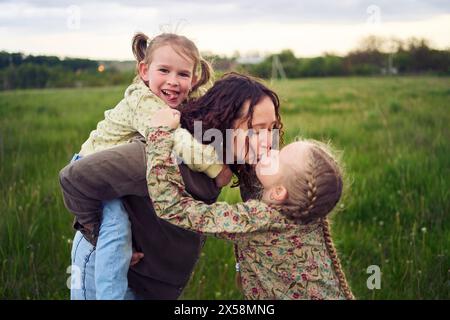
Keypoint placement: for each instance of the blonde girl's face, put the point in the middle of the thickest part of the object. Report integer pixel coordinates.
(170, 75)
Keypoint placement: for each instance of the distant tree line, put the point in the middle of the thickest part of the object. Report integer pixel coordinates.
(20, 71)
(374, 56)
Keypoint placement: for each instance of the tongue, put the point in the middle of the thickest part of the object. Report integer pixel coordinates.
(172, 95)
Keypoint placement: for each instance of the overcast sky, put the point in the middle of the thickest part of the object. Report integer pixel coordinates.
(103, 29)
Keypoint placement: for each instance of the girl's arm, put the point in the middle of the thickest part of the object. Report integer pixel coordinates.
(197, 156)
(172, 203)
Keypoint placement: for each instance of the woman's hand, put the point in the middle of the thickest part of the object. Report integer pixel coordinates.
(135, 258)
(224, 177)
(167, 117)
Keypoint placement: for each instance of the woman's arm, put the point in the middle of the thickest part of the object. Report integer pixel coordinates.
(105, 175)
(172, 203)
(114, 173)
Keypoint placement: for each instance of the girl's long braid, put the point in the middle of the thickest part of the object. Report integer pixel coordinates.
(335, 260)
(323, 189)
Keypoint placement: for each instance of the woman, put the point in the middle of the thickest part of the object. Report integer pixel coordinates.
(170, 253)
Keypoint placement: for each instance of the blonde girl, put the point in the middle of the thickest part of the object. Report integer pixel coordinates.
(170, 70)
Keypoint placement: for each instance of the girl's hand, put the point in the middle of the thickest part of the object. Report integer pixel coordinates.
(167, 117)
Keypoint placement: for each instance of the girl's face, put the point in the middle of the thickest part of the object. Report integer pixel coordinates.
(260, 138)
(271, 169)
(275, 170)
(170, 75)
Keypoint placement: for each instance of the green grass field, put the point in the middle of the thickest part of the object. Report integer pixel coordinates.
(395, 136)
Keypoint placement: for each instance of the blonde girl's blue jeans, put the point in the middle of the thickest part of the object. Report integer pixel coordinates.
(101, 271)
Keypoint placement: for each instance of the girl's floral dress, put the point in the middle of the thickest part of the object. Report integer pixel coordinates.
(279, 259)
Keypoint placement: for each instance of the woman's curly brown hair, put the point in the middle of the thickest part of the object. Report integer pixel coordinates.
(221, 106)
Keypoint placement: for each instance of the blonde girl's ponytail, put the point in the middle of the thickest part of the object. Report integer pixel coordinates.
(139, 46)
(206, 74)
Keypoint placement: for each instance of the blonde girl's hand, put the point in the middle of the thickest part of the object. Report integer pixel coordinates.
(167, 117)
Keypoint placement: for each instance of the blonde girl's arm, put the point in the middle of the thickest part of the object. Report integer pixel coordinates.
(197, 156)
(173, 203)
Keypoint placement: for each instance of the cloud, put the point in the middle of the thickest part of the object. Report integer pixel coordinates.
(282, 11)
(104, 28)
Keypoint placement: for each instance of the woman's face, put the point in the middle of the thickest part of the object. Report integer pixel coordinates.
(260, 136)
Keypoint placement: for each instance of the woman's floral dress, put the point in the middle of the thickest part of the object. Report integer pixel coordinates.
(279, 258)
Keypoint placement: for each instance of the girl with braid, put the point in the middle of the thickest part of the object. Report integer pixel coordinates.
(282, 239)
